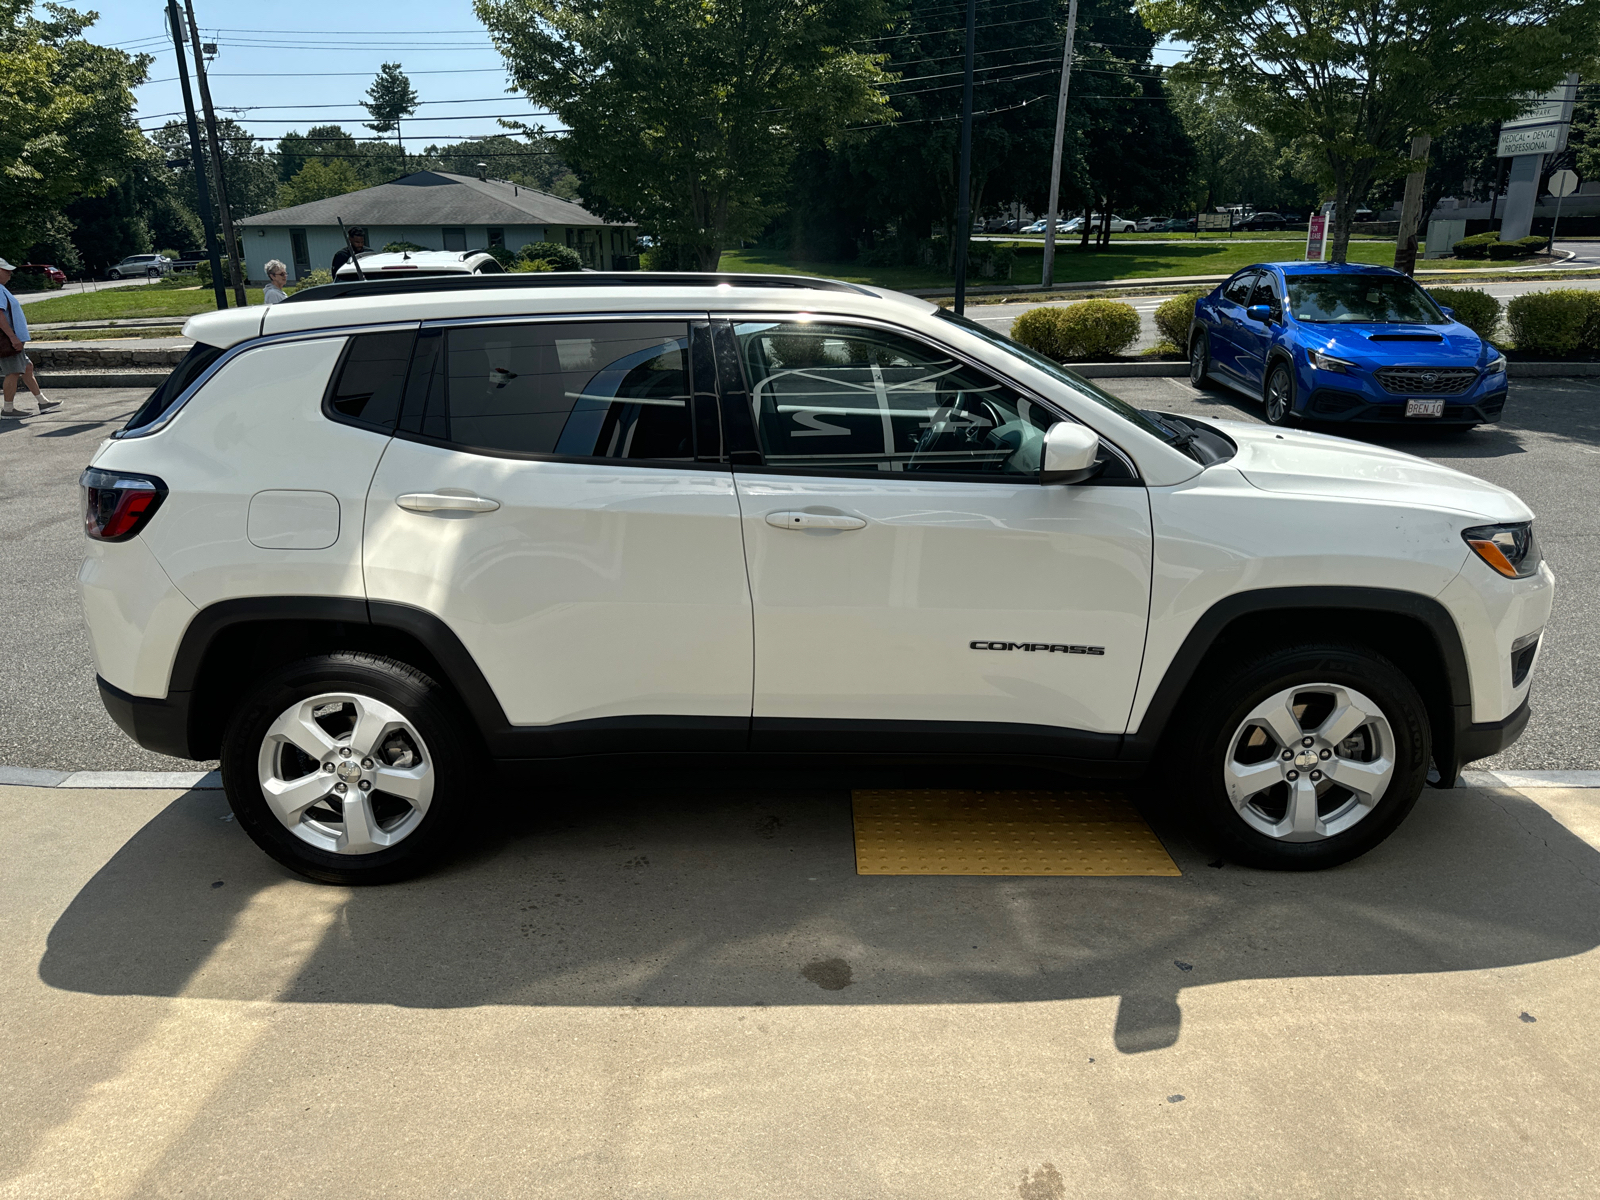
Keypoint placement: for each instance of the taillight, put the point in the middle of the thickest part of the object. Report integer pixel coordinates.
(117, 505)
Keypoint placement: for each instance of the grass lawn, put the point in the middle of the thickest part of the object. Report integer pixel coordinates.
(1126, 260)
(116, 303)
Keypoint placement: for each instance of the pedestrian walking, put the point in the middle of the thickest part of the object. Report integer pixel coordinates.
(13, 361)
(277, 276)
(357, 244)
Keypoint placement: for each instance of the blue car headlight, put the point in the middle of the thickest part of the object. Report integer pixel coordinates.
(1327, 362)
(1496, 365)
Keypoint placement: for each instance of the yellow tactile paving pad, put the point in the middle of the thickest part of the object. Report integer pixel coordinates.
(937, 832)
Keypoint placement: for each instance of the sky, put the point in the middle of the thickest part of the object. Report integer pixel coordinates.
(290, 64)
(275, 61)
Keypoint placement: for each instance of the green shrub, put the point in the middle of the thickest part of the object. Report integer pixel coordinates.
(1477, 310)
(565, 258)
(1501, 251)
(1476, 246)
(1087, 330)
(1174, 318)
(1535, 244)
(668, 256)
(315, 279)
(1559, 321)
(501, 255)
(172, 254)
(32, 281)
(534, 264)
(404, 248)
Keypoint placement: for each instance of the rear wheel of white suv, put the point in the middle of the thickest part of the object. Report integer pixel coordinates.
(1307, 757)
(349, 768)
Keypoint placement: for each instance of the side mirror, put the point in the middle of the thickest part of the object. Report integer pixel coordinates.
(1070, 451)
(1449, 312)
(1259, 312)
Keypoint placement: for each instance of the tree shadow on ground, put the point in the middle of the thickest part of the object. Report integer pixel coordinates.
(747, 895)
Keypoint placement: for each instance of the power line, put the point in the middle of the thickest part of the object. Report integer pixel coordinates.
(332, 74)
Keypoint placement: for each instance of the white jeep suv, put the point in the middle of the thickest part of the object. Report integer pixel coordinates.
(371, 544)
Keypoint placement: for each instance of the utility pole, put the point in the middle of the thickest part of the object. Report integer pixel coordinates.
(1047, 279)
(202, 192)
(964, 199)
(1405, 247)
(235, 275)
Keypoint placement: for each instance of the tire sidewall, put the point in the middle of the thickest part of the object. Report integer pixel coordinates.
(1234, 699)
(1287, 416)
(1199, 359)
(417, 697)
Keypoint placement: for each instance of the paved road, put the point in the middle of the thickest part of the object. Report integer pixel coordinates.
(690, 994)
(72, 289)
(1000, 316)
(1548, 451)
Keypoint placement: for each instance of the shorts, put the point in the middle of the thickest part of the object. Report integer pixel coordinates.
(13, 364)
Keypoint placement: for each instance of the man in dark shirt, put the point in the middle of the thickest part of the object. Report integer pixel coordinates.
(357, 243)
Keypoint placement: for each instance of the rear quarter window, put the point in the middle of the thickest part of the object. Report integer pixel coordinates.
(194, 364)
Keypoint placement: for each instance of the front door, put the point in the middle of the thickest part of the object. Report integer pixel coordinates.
(1230, 321)
(545, 498)
(905, 563)
(1253, 338)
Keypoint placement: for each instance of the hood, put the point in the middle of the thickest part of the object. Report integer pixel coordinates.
(1384, 345)
(1315, 464)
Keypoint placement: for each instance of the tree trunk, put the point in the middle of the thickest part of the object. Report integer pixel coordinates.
(707, 256)
(1339, 227)
(1405, 247)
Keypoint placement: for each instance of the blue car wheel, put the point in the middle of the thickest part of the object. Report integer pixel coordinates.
(1199, 360)
(1280, 395)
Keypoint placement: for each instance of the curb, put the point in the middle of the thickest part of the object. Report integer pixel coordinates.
(40, 777)
(102, 379)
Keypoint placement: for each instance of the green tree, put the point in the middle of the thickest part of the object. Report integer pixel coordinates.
(1349, 84)
(251, 172)
(536, 162)
(686, 114)
(66, 127)
(319, 179)
(390, 99)
(1236, 162)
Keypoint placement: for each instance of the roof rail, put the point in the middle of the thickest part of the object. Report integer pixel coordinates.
(568, 279)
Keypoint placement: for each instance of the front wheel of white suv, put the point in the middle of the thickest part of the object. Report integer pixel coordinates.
(349, 768)
(1307, 757)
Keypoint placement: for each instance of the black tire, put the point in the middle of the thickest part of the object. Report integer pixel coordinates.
(113, 273)
(1199, 361)
(153, 273)
(1221, 708)
(1277, 397)
(448, 746)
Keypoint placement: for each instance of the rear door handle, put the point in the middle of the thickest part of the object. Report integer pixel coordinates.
(807, 520)
(443, 502)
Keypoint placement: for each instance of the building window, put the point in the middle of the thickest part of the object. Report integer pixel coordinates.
(455, 237)
(497, 237)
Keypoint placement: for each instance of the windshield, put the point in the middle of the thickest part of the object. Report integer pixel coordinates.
(1078, 384)
(1362, 299)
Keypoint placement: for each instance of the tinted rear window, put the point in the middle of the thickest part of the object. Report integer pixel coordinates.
(371, 378)
(194, 364)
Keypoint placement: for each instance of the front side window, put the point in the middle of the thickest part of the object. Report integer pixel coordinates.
(845, 398)
(1238, 289)
(580, 390)
(1362, 300)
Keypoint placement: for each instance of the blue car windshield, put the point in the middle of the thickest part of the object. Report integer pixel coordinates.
(1362, 300)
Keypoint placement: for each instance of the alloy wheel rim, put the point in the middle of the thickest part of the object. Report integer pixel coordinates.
(1309, 762)
(346, 773)
(1277, 398)
(1197, 362)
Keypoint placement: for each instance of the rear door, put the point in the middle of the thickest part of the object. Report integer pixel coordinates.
(550, 496)
(905, 562)
(1230, 306)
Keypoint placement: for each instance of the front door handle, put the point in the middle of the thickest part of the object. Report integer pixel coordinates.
(445, 502)
(808, 520)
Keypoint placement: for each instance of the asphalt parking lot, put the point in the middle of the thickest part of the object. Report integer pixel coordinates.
(1547, 450)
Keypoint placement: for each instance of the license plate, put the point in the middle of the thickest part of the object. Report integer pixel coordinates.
(1424, 408)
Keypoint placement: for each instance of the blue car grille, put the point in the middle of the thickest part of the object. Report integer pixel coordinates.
(1426, 381)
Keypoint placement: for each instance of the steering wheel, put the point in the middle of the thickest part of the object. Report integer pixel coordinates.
(942, 436)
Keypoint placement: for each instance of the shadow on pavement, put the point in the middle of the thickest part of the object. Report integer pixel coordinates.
(749, 897)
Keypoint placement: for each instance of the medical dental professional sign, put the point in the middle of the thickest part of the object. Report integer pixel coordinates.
(1543, 128)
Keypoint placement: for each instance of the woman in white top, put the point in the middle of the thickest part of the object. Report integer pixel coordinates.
(277, 276)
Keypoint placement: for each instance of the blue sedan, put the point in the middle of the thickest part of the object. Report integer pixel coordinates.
(1344, 342)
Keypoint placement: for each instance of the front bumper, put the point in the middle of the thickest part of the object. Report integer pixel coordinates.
(1479, 740)
(1346, 406)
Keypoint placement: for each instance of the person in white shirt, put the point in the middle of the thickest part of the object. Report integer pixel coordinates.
(277, 276)
(13, 362)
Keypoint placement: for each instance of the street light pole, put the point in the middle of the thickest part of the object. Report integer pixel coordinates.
(964, 199)
(1047, 279)
(201, 191)
(234, 268)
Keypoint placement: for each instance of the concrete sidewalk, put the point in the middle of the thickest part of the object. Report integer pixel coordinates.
(690, 993)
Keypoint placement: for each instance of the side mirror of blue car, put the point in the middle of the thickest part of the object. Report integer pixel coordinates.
(1449, 312)
(1259, 312)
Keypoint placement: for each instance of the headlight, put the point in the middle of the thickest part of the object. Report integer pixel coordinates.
(1509, 549)
(1498, 365)
(1326, 362)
